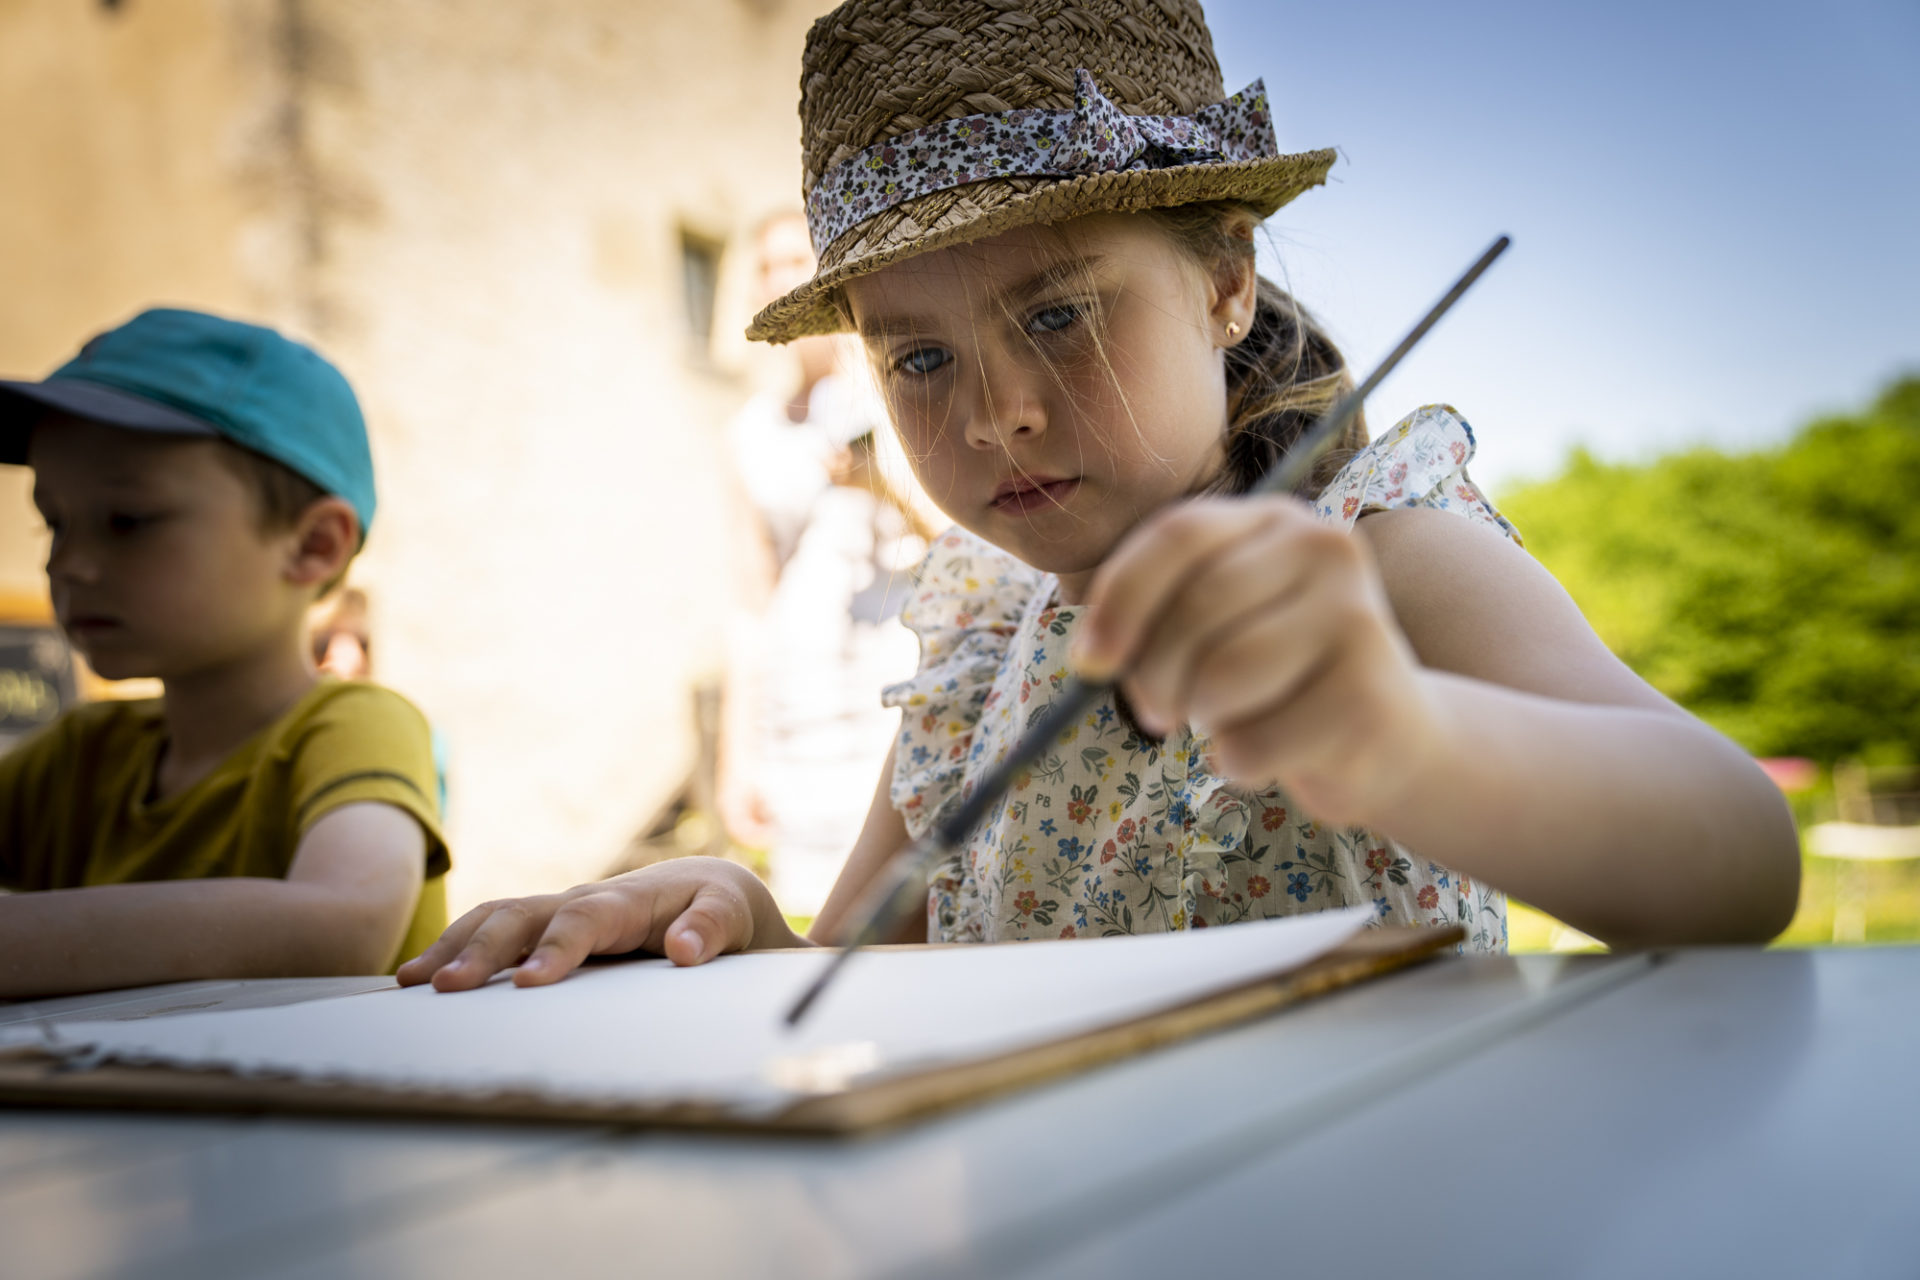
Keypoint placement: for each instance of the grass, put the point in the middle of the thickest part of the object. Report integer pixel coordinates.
(1842, 903)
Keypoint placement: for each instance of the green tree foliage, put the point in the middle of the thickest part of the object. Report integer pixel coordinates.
(1775, 594)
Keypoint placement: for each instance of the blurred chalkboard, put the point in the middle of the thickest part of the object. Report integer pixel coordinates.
(36, 680)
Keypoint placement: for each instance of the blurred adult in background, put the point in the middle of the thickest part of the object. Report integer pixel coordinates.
(830, 529)
(341, 644)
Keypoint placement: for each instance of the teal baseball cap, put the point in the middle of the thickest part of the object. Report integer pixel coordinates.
(176, 372)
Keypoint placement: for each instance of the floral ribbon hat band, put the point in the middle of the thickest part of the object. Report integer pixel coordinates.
(1095, 137)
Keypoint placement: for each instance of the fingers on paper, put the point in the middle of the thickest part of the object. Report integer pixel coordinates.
(499, 941)
(608, 921)
(717, 920)
(449, 944)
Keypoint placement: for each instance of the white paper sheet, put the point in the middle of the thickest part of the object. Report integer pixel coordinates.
(647, 1032)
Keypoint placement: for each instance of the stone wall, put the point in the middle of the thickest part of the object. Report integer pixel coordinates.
(134, 162)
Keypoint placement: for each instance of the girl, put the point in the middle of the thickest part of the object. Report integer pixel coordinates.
(1041, 225)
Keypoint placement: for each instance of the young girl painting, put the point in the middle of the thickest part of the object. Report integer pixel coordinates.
(1040, 222)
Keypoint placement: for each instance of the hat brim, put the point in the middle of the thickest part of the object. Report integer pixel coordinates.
(959, 215)
(23, 403)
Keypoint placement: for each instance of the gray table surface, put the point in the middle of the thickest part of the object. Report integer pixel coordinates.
(1701, 1113)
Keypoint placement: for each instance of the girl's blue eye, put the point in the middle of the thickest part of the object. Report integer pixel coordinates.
(1054, 319)
(923, 361)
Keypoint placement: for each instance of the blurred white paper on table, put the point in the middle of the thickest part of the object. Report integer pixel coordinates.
(647, 1032)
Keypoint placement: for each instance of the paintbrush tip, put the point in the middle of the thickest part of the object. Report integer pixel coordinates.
(819, 984)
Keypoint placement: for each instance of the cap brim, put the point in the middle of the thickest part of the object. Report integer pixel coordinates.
(984, 209)
(23, 403)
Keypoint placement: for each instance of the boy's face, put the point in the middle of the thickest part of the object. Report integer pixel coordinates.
(160, 565)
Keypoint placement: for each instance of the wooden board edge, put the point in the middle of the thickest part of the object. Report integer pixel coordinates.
(899, 1099)
(33, 1079)
(49, 1084)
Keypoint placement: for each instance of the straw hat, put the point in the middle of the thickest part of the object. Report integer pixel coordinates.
(912, 110)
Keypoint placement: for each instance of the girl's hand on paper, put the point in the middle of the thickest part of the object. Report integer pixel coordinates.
(1254, 622)
(688, 909)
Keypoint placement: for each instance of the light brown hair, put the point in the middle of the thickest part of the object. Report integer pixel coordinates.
(1284, 373)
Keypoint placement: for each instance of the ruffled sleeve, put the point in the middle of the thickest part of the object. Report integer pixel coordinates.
(1421, 462)
(965, 608)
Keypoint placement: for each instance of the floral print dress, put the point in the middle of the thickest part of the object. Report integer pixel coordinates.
(1113, 833)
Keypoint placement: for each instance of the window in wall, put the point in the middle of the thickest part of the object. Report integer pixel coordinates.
(700, 283)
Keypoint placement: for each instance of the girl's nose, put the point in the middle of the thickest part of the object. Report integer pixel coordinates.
(1009, 402)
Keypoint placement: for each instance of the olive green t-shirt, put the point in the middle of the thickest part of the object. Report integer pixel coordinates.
(75, 806)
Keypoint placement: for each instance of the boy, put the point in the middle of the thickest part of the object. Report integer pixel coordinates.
(204, 482)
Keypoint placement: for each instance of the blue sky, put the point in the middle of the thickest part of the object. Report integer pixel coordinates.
(1714, 208)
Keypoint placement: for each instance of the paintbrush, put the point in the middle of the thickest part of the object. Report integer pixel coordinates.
(901, 887)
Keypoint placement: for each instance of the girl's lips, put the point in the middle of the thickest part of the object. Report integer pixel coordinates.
(1030, 497)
